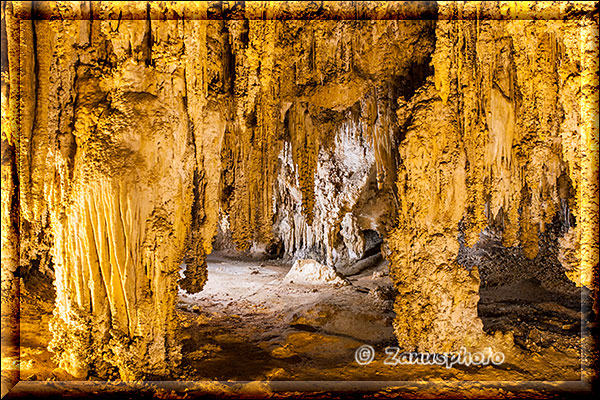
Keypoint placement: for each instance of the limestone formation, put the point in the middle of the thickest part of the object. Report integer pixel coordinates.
(139, 136)
(492, 141)
(312, 272)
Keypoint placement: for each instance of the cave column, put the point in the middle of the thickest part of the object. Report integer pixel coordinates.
(436, 305)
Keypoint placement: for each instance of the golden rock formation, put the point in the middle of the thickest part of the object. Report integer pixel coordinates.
(493, 141)
(139, 136)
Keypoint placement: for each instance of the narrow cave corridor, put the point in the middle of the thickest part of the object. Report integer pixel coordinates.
(383, 193)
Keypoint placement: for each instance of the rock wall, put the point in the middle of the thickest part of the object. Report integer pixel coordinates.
(137, 136)
(106, 164)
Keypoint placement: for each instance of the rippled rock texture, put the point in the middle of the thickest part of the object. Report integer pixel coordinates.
(137, 136)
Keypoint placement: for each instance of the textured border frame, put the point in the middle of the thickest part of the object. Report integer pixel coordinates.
(349, 10)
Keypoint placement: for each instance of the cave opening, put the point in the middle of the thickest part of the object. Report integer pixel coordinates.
(529, 297)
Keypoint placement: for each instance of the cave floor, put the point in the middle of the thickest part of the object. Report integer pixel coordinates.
(248, 324)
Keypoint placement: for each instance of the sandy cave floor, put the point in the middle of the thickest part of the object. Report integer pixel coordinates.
(247, 324)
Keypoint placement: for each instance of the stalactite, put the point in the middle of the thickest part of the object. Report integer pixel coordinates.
(503, 93)
(305, 148)
(94, 142)
(10, 219)
(208, 123)
(10, 145)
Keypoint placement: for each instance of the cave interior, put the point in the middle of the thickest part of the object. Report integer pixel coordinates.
(243, 192)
